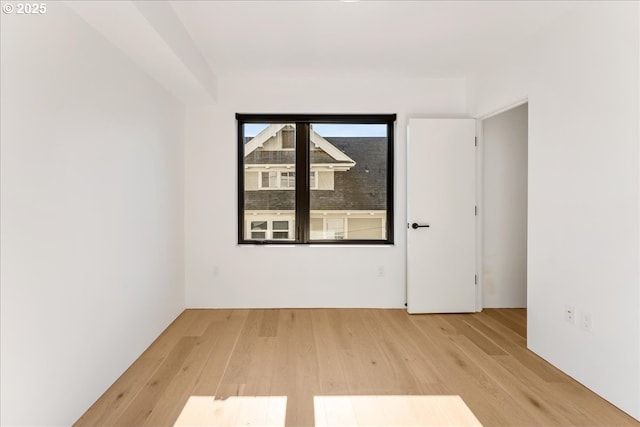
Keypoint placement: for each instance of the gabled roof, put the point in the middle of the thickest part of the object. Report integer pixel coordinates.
(333, 154)
(259, 140)
(330, 149)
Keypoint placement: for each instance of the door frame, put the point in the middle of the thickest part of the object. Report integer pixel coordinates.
(480, 195)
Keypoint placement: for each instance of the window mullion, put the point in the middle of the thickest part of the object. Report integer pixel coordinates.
(302, 182)
(390, 180)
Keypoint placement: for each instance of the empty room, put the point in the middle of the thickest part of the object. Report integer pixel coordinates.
(320, 213)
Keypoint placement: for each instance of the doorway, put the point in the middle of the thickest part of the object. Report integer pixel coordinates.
(504, 208)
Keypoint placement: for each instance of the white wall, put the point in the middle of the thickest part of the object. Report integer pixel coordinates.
(504, 209)
(91, 219)
(219, 273)
(581, 77)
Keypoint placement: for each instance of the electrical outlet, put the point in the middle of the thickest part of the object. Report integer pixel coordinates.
(381, 271)
(585, 322)
(570, 313)
(216, 270)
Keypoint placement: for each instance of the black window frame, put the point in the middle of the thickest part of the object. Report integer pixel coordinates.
(302, 149)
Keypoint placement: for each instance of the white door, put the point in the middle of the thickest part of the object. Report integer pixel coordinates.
(441, 215)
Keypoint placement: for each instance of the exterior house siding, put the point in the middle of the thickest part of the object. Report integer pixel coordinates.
(364, 228)
(251, 180)
(325, 180)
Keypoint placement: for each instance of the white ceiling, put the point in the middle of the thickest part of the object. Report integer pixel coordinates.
(394, 38)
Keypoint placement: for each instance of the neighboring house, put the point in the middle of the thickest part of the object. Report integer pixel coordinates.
(347, 179)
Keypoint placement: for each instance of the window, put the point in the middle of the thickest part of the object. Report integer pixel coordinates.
(288, 180)
(270, 229)
(258, 230)
(329, 178)
(274, 179)
(313, 183)
(288, 139)
(269, 179)
(280, 229)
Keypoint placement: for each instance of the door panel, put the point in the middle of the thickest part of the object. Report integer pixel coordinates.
(441, 194)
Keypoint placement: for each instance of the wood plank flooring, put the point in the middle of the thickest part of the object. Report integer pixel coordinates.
(308, 355)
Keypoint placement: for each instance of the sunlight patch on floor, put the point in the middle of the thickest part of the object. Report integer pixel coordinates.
(264, 411)
(393, 411)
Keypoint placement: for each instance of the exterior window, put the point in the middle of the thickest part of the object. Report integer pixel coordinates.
(269, 179)
(268, 230)
(280, 229)
(313, 183)
(272, 179)
(347, 196)
(259, 230)
(288, 139)
(288, 180)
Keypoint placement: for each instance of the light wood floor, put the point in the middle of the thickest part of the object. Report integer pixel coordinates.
(302, 354)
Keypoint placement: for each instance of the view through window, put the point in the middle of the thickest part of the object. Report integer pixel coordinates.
(315, 179)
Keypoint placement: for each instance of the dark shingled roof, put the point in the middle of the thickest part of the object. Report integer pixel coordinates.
(363, 187)
(270, 200)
